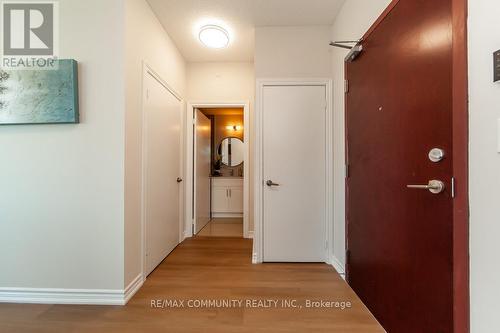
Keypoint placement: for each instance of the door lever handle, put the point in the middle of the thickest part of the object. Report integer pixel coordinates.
(434, 186)
(271, 183)
(179, 180)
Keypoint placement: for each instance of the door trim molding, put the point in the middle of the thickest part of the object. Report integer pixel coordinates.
(460, 81)
(258, 244)
(148, 70)
(189, 171)
(339, 267)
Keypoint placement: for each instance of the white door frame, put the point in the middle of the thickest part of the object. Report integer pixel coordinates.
(189, 180)
(148, 70)
(258, 244)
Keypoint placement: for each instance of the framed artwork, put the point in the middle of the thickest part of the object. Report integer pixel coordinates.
(40, 96)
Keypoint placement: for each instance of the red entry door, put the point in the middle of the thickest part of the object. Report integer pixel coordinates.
(399, 108)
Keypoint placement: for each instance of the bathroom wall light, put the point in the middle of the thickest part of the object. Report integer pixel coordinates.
(234, 128)
(214, 37)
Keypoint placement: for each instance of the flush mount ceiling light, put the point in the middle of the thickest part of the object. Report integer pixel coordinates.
(214, 37)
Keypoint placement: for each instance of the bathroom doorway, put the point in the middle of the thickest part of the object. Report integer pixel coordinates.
(218, 162)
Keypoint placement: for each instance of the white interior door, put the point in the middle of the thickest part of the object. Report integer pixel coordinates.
(202, 167)
(162, 135)
(294, 158)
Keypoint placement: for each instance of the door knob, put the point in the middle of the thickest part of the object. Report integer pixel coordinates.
(179, 180)
(271, 183)
(434, 186)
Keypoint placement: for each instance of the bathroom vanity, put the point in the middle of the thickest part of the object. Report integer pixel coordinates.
(227, 197)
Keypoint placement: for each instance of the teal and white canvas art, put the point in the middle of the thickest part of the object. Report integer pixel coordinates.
(40, 96)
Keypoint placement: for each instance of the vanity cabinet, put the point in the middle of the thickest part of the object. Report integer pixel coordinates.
(227, 197)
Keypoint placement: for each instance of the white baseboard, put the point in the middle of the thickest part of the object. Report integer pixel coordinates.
(255, 259)
(132, 288)
(186, 234)
(71, 296)
(339, 267)
(250, 235)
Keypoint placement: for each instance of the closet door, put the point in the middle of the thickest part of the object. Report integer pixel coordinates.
(294, 170)
(162, 135)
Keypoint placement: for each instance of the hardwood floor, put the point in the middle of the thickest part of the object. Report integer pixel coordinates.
(206, 268)
(227, 227)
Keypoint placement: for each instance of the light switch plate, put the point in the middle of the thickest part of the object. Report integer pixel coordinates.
(496, 66)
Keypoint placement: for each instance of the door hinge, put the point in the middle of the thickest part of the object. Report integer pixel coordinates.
(453, 187)
(346, 171)
(346, 86)
(347, 257)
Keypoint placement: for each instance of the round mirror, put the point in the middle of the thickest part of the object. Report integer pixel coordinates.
(231, 151)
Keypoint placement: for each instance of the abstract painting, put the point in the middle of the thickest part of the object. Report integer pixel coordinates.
(40, 96)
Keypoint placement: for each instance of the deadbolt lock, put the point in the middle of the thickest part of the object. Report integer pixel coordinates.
(436, 155)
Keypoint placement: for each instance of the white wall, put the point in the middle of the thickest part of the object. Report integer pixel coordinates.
(61, 192)
(220, 82)
(354, 19)
(292, 52)
(70, 194)
(484, 166)
(145, 40)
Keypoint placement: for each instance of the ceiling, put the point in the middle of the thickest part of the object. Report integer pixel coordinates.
(182, 18)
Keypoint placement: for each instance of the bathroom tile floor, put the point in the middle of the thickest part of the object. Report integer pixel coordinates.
(227, 227)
